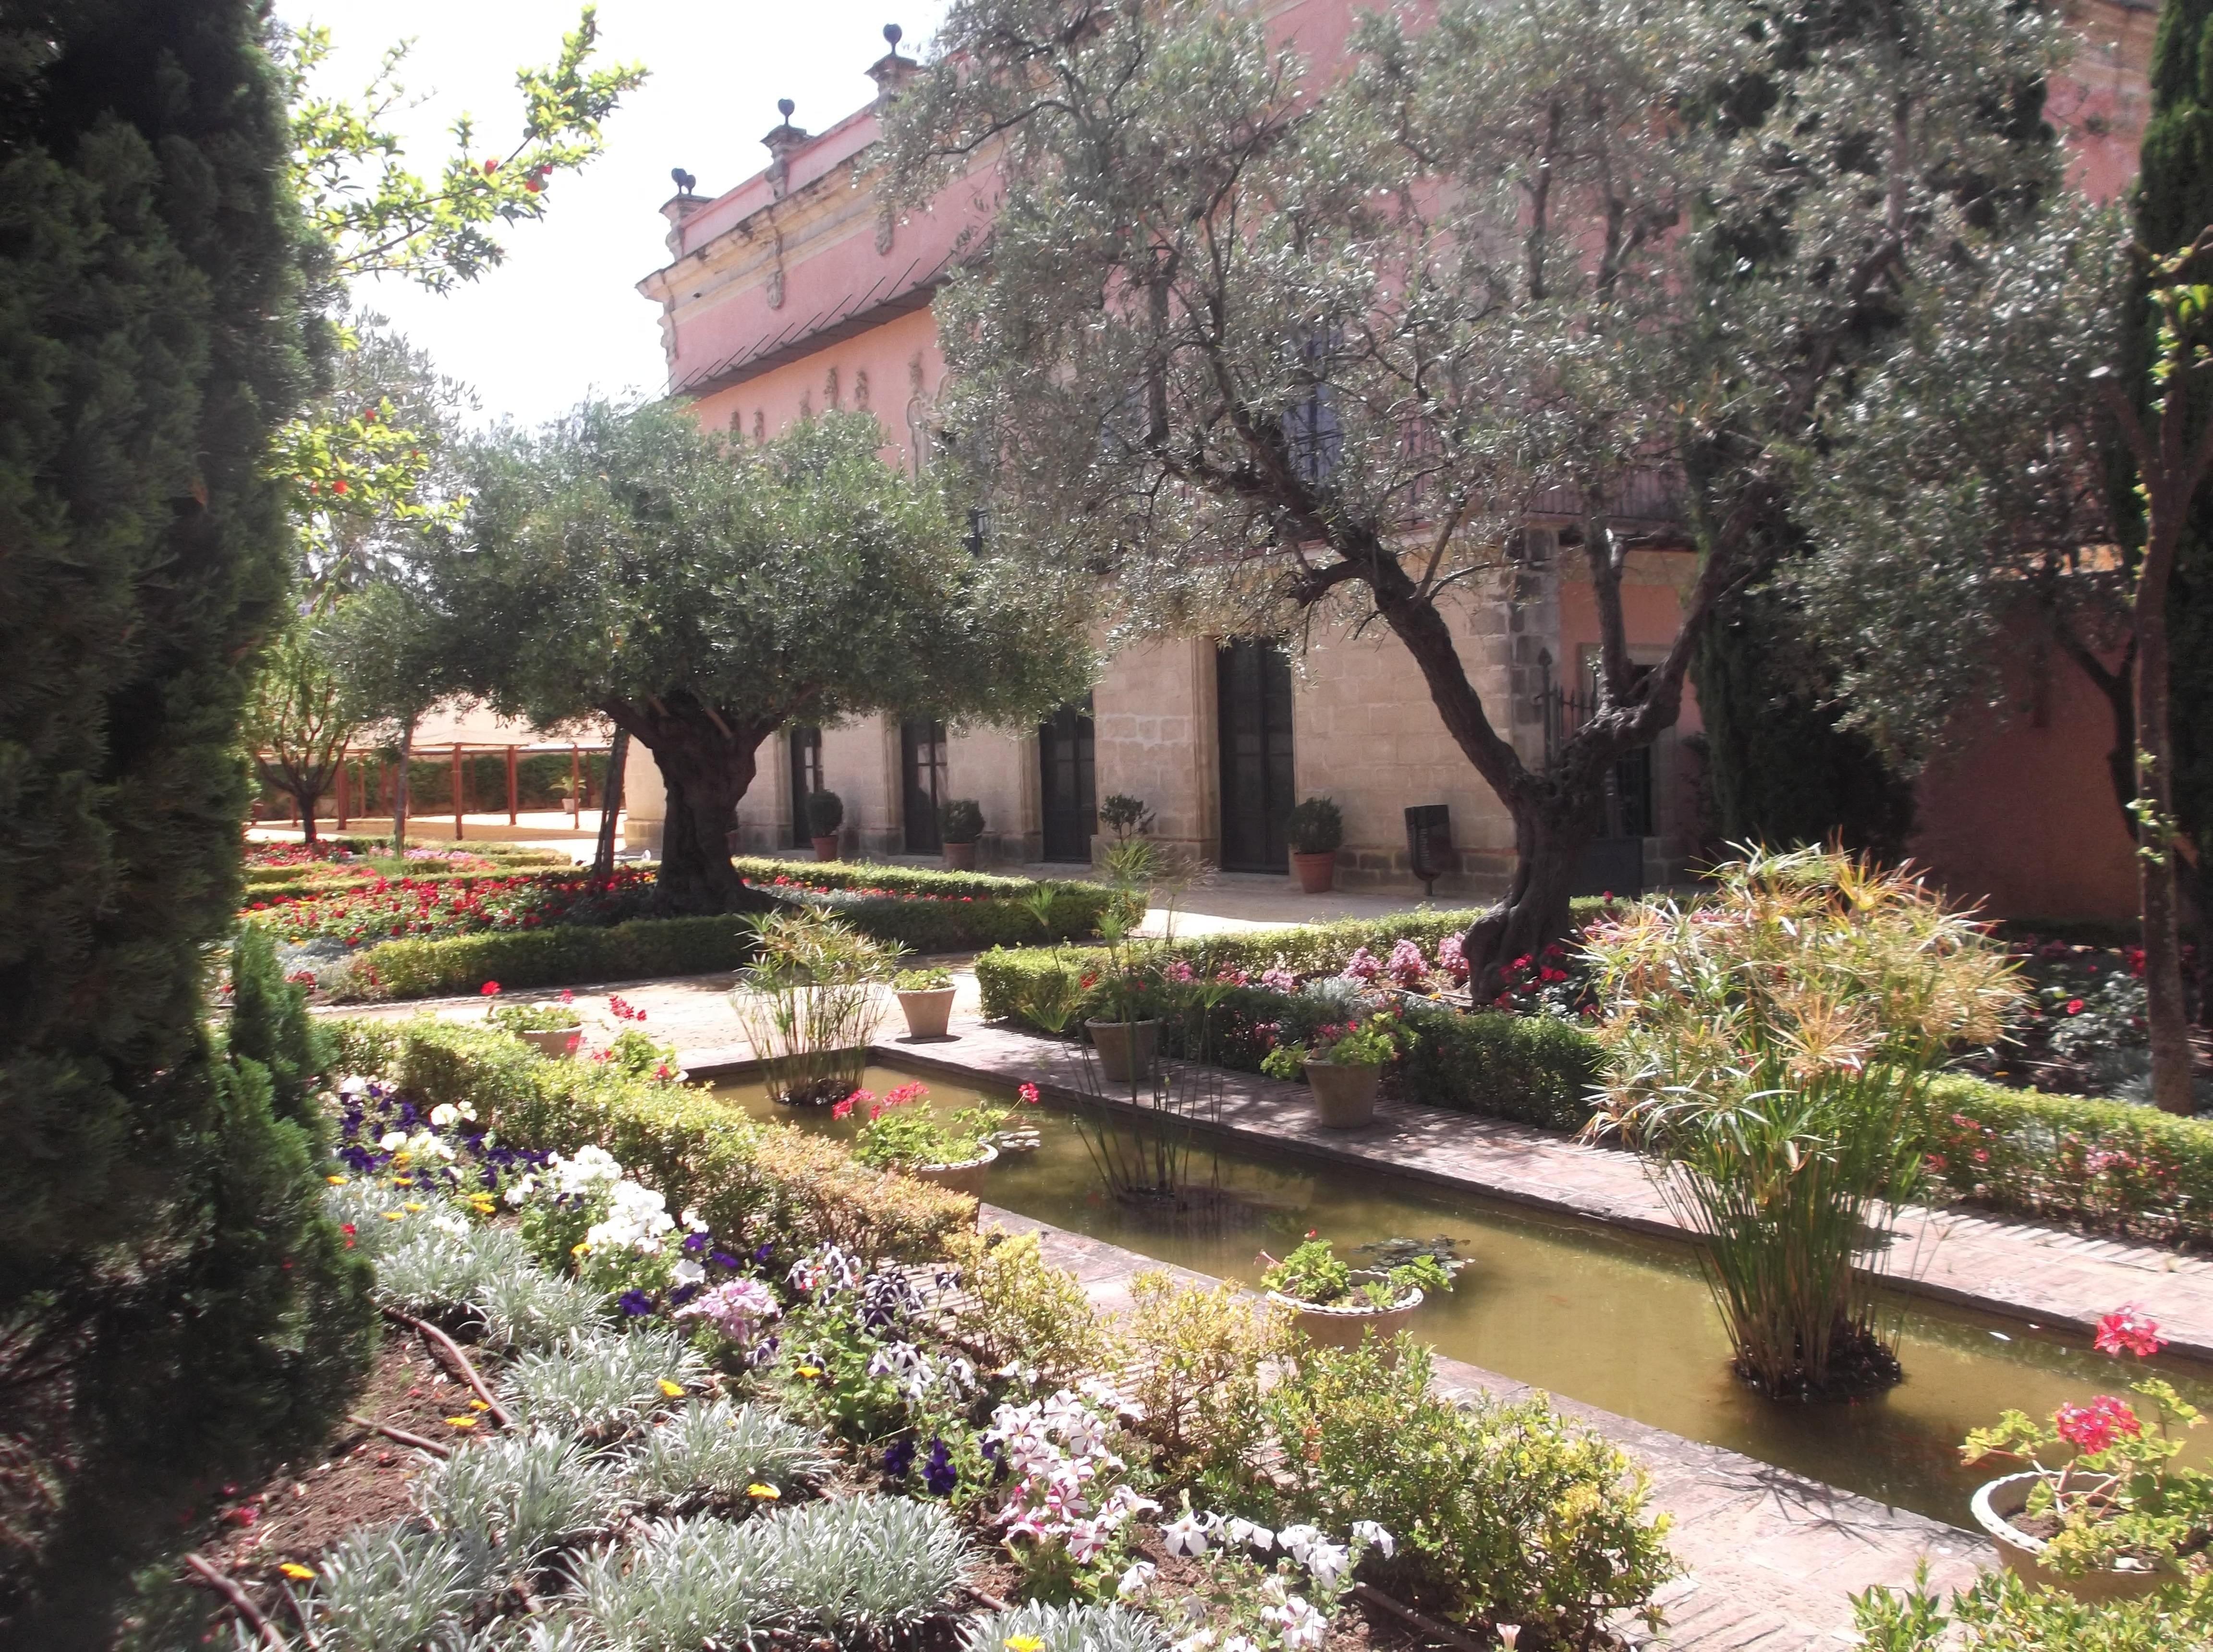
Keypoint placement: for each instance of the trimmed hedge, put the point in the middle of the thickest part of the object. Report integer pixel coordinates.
(2105, 1164)
(562, 955)
(771, 1184)
(906, 880)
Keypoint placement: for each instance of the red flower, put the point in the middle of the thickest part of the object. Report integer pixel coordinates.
(2090, 1429)
(491, 988)
(339, 486)
(1027, 1094)
(2074, 1006)
(845, 1109)
(2129, 1330)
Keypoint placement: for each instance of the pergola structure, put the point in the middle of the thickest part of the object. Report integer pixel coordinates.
(348, 791)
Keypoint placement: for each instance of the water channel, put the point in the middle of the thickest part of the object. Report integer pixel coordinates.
(1615, 1320)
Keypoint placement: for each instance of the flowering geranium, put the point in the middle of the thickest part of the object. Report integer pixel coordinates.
(2129, 1330)
(389, 909)
(737, 1308)
(2121, 1500)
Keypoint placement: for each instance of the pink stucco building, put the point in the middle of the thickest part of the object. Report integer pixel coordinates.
(798, 289)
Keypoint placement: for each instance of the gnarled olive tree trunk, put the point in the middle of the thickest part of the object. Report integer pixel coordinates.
(707, 763)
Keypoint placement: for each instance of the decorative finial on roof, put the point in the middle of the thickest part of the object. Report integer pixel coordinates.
(784, 107)
(685, 183)
(892, 71)
(893, 35)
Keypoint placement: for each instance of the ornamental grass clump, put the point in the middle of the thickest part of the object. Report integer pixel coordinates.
(1768, 1050)
(811, 1003)
(603, 1386)
(715, 1451)
(513, 1498)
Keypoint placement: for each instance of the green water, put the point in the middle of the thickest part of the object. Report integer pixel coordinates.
(1613, 1320)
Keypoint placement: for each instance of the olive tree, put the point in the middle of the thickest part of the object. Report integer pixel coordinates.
(701, 593)
(1975, 482)
(1276, 349)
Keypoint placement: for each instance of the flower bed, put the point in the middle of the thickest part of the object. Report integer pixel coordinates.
(396, 909)
(688, 1417)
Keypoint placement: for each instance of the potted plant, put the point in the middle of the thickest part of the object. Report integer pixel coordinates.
(825, 813)
(551, 1029)
(1335, 1305)
(959, 823)
(903, 1134)
(1128, 1042)
(926, 997)
(1316, 831)
(2102, 1511)
(1343, 1065)
(1125, 816)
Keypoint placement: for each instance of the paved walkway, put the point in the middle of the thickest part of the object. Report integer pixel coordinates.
(2045, 1275)
(1772, 1558)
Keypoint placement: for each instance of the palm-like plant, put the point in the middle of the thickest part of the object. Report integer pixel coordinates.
(811, 1003)
(1768, 1048)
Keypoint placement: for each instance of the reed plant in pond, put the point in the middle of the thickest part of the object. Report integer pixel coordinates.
(1767, 1049)
(811, 1003)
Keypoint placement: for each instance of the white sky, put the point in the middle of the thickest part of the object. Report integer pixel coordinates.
(561, 317)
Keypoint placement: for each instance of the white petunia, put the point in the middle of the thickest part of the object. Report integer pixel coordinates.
(392, 1140)
(1240, 1530)
(1327, 1562)
(1367, 1531)
(1297, 1539)
(1185, 1535)
(444, 1115)
(1298, 1622)
(1136, 1580)
(687, 1272)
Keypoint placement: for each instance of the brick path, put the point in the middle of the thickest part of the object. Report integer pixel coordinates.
(1772, 1559)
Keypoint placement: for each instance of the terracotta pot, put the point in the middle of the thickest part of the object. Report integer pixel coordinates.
(960, 857)
(1344, 1095)
(1998, 1500)
(553, 1041)
(1343, 1327)
(1127, 1050)
(825, 849)
(964, 1178)
(928, 1012)
(1316, 873)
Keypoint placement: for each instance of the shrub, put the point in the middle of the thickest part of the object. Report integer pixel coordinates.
(562, 955)
(1126, 816)
(960, 820)
(2105, 1164)
(602, 1386)
(1531, 1068)
(1066, 1629)
(510, 1498)
(771, 1184)
(825, 813)
(715, 1449)
(1194, 1356)
(1022, 1310)
(1509, 1511)
(2000, 1613)
(391, 1589)
(1316, 828)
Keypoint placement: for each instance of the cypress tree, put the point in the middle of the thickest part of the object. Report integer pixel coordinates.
(179, 1308)
(2173, 203)
(1778, 770)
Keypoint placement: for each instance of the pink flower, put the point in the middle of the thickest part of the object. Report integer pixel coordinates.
(2074, 1006)
(1363, 965)
(845, 1109)
(1279, 979)
(2090, 1429)
(2129, 1330)
(1027, 1094)
(490, 987)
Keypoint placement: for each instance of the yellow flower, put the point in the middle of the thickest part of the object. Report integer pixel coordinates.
(411, 1207)
(335, 1181)
(582, 1247)
(673, 1390)
(297, 1572)
(461, 1422)
(766, 1493)
(480, 1404)
(1023, 1643)
(810, 1372)
(395, 1216)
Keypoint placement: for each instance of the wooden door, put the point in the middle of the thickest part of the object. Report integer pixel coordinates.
(922, 765)
(1252, 682)
(1068, 783)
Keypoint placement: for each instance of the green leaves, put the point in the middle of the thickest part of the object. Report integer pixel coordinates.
(379, 217)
